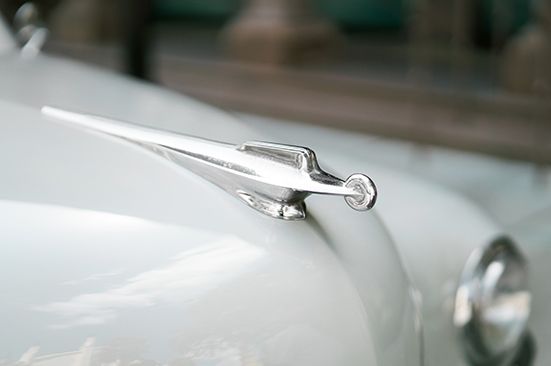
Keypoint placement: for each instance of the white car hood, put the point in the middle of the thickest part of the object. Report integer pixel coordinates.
(43, 80)
(112, 254)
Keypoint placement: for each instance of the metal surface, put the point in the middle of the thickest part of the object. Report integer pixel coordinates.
(29, 29)
(422, 217)
(107, 241)
(484, 196)
(272, 178)
(64, 167)
(492, 315)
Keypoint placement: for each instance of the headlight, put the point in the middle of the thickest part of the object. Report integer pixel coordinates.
(492, 303)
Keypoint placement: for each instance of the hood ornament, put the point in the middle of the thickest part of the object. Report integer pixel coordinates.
(274, 179)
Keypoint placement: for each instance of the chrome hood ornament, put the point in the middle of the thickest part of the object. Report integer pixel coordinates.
(274, 179)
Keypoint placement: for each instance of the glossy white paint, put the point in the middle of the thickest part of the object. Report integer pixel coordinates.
(40, 81)
(113, 254)
(154, 292)
(435, 231)
(435, 228)
(406, 203)
(515, 194)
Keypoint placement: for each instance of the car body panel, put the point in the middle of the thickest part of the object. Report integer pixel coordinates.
(44, 80)
(132, 238)
(151, 292)
(466, 199)
(118, 255)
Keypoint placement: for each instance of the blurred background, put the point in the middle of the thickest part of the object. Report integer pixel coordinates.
(467, 74)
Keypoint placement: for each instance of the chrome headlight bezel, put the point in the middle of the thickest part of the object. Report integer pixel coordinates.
(492, 303)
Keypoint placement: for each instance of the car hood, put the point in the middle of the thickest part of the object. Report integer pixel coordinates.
(43, 80)
(112, 254)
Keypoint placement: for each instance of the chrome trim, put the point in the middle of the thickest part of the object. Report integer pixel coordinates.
(274, 179)
(30, 31)
(466, 315)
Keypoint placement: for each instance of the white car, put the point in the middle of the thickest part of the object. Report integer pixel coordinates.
(139, 226)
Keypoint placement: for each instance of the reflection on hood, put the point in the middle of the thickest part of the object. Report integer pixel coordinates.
(188, 275)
